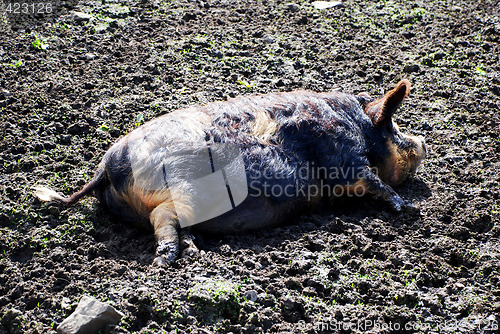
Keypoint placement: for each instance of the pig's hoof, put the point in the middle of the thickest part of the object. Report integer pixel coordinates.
(160, 261)
(191, 251)
(397, 204)
(166, 252)
(411, 209)
(188, 247)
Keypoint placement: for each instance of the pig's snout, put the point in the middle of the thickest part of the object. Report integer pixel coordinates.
(423, 145)
(403, 160)
(420, 153)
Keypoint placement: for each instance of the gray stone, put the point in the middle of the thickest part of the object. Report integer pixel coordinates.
(90, 56)
(326, 4)
(268, 39)
(293, 7)
(251, 295)
(79, 16)
(89, 317)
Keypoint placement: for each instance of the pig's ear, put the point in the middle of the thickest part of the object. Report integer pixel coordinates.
(380, 111)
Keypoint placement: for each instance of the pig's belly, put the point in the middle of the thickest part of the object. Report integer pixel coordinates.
(253, 213)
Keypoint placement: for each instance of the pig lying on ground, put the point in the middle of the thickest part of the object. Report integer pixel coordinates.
(252, 162)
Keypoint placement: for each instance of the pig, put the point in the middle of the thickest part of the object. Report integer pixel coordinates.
(261, 160)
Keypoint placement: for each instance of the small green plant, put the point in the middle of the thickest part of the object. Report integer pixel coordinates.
(480, 71)
(247, 85)
(103, 127)
(39, 44)
(139, 120)
(17, 64)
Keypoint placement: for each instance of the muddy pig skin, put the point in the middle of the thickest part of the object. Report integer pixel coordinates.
(295, 149)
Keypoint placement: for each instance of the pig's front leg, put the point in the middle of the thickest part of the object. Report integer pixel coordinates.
(166, 226)
(376, 187)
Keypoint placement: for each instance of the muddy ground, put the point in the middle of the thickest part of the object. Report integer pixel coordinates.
(70, 88)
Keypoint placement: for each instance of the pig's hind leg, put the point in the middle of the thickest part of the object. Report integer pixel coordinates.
(166, 226)
(171, 239)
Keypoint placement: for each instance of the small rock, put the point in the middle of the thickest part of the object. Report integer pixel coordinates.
(90, 56)
(411, 68)
(268, 39)
(251, 295)
(293, 7)
(90, 316)
(326, 4)
(81, 17)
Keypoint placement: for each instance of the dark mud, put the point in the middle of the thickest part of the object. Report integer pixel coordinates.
(357, 267)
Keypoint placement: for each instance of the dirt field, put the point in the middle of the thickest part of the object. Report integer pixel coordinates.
(69, 89)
